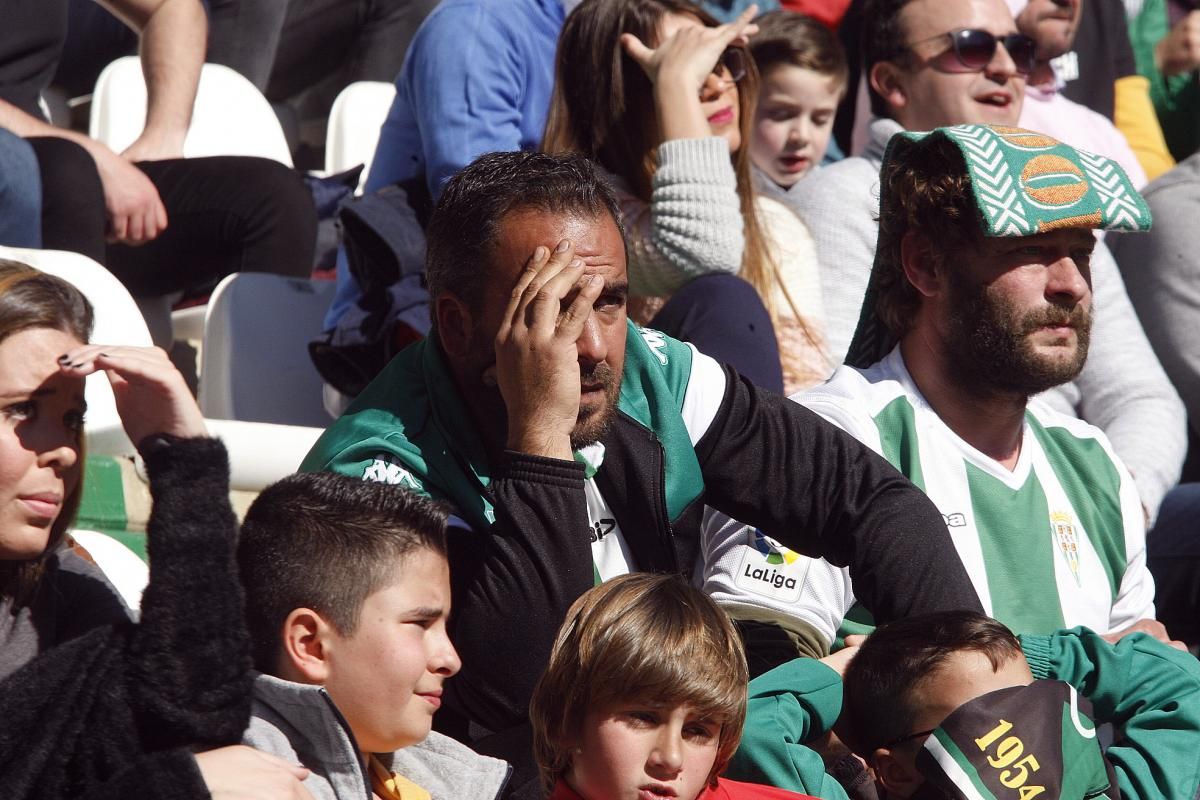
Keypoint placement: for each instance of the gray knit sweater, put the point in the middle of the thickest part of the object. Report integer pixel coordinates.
(692, 225)
(1122, 389)
(1161, 270)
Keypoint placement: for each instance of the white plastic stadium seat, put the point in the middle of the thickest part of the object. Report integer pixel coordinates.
(354, 122)
(125, 571)
(230, 116)
(254, 362)
(117, 321)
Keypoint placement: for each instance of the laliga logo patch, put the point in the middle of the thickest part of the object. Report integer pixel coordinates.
(1022, 139)
(770, 569)
(1052, 181)
(773, 550)
(1067, 539)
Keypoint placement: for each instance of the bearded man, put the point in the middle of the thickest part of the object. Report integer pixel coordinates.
(573, 446)
(980, 297)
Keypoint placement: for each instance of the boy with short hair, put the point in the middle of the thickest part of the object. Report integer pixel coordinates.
(347, 596)
(644, 697)
(803, 76)
(954, 705)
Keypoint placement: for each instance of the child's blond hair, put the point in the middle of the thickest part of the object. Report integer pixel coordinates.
(639, 637)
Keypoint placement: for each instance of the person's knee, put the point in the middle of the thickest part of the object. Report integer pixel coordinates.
(721, 295)
(63, 164)
(74, 216)
(283, 220)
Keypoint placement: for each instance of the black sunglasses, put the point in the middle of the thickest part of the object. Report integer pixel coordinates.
(733, 61)
(974, 49)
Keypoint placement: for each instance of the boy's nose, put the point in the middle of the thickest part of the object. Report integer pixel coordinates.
(666, 760)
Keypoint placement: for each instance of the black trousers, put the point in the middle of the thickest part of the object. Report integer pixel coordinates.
(224, 214)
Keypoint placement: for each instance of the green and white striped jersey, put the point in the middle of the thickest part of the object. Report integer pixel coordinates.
(1056, 542)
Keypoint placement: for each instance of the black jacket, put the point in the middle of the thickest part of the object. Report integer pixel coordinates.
(118, 711)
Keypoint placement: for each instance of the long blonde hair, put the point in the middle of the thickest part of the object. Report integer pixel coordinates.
(603, 107)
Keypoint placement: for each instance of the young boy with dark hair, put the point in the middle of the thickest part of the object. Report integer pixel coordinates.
(644, 697)
(347, 596)
(954, 705)
(803, 77)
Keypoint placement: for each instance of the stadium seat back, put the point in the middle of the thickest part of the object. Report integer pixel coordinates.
(230, 116)
(254, 364)
(354, 122)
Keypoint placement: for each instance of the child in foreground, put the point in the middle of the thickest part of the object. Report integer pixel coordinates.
(644, 697)
(953, 705)
(803, 77)
(347, 597)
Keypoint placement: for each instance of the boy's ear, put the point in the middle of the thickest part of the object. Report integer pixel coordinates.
(897, 773)
(306, 641)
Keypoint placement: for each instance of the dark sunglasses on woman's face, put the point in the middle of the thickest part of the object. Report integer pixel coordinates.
(974, 49)
(732, 61)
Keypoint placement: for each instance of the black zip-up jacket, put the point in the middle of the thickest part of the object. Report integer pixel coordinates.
(764, 460)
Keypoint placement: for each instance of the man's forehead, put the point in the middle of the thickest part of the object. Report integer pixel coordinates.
(1070, 237)
(925, 18)
(597, 239)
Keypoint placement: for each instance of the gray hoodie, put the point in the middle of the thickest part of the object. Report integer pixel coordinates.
(300, 724)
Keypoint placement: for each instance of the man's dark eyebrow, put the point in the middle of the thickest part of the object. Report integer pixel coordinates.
(616, 287)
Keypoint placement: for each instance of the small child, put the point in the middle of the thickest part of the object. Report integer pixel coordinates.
(954, 705)
(644, 697)
(347, 595)
(803, 77)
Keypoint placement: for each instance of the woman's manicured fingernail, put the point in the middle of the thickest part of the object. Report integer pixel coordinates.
(562, 246)
(539, 253)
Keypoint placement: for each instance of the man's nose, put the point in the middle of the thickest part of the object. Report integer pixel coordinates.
(590, 344)
(1001, 67)
(1067, 280)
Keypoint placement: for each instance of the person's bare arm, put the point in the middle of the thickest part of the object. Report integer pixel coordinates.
(173, 37)
(135, 211)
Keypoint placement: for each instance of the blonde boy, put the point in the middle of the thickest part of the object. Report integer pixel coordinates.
(347, 597)
(803, 77)
(644, 697)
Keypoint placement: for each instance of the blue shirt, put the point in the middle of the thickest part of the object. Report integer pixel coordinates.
(477, 78)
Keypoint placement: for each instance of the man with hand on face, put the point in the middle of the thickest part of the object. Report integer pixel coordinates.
(574, 447)
(975, 305)
(934, 63)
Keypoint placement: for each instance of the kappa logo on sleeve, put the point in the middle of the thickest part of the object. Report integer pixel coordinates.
(385, 469)
(657, 343)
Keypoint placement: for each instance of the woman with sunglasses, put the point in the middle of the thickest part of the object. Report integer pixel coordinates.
(662, 97)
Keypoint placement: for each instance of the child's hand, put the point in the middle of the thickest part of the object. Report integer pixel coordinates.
(243, 773)
(686, 58)
(151, 395)
(841, 659)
